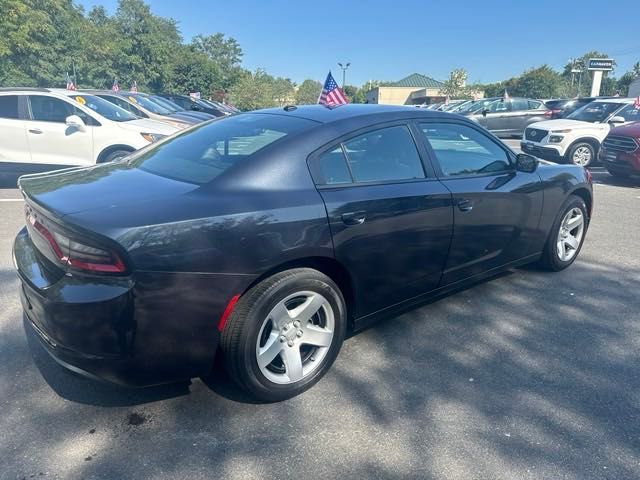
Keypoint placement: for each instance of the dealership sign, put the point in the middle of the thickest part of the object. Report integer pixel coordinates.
(601, 64)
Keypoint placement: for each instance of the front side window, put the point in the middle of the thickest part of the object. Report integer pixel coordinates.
(200, 154)
(384, 155)
(630, 113)
(9, 106)
(51, 109)
(462, 150)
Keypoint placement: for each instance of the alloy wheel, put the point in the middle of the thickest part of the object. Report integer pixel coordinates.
(582, 156)
(295, 337)
(570, 234)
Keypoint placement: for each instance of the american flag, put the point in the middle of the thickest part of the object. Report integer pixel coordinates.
(70, 84)
(331, 94)
(636, 104)
(116, 86)
(134, 87)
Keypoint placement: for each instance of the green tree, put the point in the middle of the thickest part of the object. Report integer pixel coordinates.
(225, 53)
(254, 90)
(455, 85)
(308, 92)
(541, 82)
(194, 72)
(582, 81)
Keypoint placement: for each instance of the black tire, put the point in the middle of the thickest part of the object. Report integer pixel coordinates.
(579, 145)
(240, 334)
(550, 259)
(115, 155)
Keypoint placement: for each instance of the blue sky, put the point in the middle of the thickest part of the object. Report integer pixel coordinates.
(387, 40)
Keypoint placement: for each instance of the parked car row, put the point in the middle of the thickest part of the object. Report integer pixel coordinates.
(57, 127)
(577, 138)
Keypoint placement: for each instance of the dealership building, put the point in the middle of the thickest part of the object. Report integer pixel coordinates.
(416, 89)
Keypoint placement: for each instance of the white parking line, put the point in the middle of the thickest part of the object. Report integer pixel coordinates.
(11, 199)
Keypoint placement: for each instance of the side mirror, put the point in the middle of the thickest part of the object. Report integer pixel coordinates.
(616, 120)
(74, 121)
(484, 112)
(526, 163)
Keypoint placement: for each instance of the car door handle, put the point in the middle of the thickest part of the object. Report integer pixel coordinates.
(465, 205)
(354, 218)
(37, 131)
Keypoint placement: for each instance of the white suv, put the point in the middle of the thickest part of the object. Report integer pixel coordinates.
(576, 138)
(58, 127)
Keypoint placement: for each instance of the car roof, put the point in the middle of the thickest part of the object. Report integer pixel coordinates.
(322, 114)
(614, 100)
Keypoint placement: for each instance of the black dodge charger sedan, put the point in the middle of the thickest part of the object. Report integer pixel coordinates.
(269, 235)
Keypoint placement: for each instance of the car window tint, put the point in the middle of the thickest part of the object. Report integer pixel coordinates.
(9, 106)
(201, 154)
(462, 150)
(51, 109)
(333, 167)
(534, 105)
(122, 104)
(384, 155)
(630, 113)
(519, 104)
(499, 106)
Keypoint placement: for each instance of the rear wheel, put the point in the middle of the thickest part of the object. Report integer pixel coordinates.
(567, 235)
(582, 154)
(284, 334)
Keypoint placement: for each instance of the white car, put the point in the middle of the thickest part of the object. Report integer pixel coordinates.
(577, 138)
(56, 127)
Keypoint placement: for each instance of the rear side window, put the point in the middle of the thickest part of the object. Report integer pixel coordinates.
(384, 155)
(534, 105)
(333, 168)
(462, 150)
(9, 106)
(201, 154)
(519, 104)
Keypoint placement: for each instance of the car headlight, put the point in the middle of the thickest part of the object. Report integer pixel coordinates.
(152, 137)
(555, 138)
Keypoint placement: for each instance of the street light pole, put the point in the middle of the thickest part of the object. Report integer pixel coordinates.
(344, 71)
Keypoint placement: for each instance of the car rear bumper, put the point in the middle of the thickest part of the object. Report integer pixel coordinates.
(152, 329)
(546, 153)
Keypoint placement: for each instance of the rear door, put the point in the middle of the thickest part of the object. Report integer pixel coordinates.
(14, 146)
(496, 209)
(390, 218)
(51, 141)
(498, 116)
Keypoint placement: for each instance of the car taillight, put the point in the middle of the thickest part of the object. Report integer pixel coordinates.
(588, 174)
(549, 113)
(75, 254)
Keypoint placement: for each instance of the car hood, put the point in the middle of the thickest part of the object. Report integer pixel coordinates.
(628, 130)
(146, 125)
(566, 124)
(106, 186)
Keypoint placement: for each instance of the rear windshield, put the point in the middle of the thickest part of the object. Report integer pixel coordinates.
(204, 152)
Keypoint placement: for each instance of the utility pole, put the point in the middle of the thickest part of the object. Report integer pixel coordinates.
(344, 71)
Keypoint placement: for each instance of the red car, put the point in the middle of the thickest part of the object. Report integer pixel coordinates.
(620, 151)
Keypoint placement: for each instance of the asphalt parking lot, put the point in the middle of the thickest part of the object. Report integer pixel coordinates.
(530, 375)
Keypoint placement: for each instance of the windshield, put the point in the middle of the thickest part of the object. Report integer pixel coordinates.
(595, 112)
(168, 104)
(202, 153)
(149, 104)
(107, 109)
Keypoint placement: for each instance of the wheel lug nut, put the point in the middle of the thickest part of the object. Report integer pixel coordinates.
(285, 328)
(299, 333)
(296, 324)
(290, 343)
(313, 359)
(283, 339)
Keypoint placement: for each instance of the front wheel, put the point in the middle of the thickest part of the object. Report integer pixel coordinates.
(582, 154)
(567, 235)
(284, 334)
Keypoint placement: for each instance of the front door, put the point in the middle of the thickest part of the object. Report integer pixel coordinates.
(391, 220)
(51, 140)
(496, 209)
